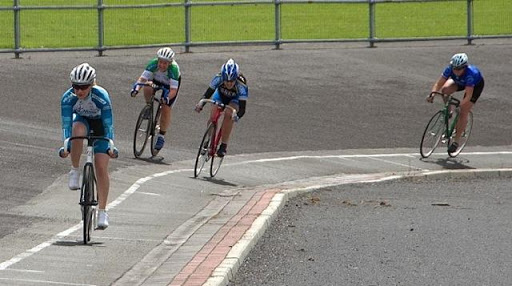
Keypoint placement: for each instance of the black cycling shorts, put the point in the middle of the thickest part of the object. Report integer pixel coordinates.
(477, 91)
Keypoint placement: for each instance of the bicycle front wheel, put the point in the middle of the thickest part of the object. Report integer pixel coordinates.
(464, 137)
(156, 130)
(142, 131)
(216, 160)
(87, 201)
(203, 154)
(432, 135)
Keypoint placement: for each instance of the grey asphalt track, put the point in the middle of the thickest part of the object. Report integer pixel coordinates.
(303, 97)
(416, 231)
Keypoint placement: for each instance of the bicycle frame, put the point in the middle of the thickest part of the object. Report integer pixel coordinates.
(450, 126)
(217, 132)
(209, 152)
(214, 118)
(153, 94)
(153, 125)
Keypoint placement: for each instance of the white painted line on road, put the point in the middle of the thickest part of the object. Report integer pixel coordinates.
(396, 163)
(483, 170)
(46, 282)
(25, 270)
(39, 247)
(137, 185)
(414, 155)
(149, 194)
(4, 265)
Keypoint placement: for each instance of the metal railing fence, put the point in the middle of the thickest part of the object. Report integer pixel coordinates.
(377, 25)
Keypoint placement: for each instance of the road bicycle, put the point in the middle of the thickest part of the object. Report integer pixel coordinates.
(441, 127)
(211, 138)
(148, 122)
(88, 193)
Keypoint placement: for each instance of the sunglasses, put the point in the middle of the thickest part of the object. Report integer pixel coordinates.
(459, 68)
(81, 87)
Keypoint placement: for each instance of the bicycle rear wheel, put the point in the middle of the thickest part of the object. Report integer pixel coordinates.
(142, 131)
(203, 154)
(464, 137)
(156, 130)
(216, 160)
(432, 135)
(88, 201)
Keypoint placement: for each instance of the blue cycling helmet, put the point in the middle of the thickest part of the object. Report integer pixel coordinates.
(459, 60)
(229, 70)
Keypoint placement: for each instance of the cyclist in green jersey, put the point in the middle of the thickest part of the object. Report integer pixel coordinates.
(163, 70)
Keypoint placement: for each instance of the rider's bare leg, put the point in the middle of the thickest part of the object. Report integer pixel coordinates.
(165, 118)
(101, 165)
(79, 129)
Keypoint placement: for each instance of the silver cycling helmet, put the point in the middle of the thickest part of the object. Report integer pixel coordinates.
(459, 60)
(83, 74)
(165, 54)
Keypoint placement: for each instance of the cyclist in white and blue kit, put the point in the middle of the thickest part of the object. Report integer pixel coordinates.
(229, 87)
(457, 76)
(85, 108)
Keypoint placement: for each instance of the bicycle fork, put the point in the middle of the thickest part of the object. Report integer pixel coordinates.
(87, 199)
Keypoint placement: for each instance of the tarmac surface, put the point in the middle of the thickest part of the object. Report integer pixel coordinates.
(318, 116)
(414, 231)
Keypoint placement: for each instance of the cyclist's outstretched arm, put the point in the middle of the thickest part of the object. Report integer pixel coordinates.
(141, 81)
(207, 94)
(439, 84)
(241, 110)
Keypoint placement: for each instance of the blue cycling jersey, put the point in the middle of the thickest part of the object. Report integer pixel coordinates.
(471, 77)
(238, 92)
(96, 105)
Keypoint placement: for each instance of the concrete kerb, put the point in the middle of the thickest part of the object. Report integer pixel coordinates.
(236, 256)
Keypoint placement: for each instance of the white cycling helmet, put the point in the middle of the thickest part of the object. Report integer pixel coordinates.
(459, 60)
(83, 74)
(165, 54)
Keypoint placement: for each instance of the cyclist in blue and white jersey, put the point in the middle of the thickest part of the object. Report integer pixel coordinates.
(86, 107)
(457, 76)
(162, 70)
(229, 87)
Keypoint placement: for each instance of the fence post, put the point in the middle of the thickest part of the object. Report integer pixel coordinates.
(470, 21)
(277, 23)
(16, 10)
(100, 28)
(371, 18)
(187, 26)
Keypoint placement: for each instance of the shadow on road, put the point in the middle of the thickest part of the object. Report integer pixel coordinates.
(154, 160)
(76, 243)
(216, 181)
(450, 163)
